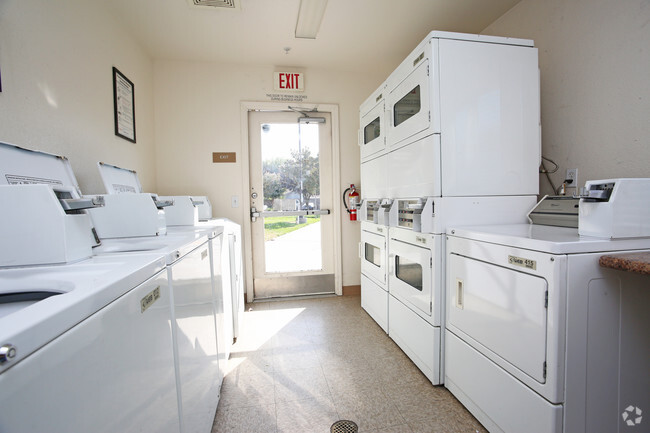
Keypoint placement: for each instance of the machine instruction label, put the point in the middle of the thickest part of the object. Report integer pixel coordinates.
(13, 179)
(119, 188)
(524, 263)
(149, 299)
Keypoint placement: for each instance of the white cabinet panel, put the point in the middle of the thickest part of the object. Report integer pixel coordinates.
(374, 178)
(490, 119)
(499, 401)
(414, 169)
(416, 337)
(374, 300)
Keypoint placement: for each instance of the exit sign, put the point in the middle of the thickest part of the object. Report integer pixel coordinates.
(289, 81)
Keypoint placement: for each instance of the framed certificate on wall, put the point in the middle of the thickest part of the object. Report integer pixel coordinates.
(124, 106)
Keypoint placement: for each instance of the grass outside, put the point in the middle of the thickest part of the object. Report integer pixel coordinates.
(278, 226)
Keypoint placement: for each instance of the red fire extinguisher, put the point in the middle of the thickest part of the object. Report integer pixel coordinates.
(351, 202)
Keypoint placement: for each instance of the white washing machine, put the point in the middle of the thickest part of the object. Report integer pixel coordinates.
(94, 356)
(218, 243)
(190, 270)
(539, 337)
(70, 323)
(186, 291)
(232, 269)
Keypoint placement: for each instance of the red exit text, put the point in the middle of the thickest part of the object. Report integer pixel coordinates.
(289, 81)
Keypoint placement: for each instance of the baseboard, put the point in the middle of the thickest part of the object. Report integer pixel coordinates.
(352, 290)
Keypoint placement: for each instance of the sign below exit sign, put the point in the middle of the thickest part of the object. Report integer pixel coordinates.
(289, 81)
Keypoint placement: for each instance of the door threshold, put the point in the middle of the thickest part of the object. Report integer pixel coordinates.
(296, 297)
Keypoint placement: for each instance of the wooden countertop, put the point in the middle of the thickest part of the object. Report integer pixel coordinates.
(633, 262)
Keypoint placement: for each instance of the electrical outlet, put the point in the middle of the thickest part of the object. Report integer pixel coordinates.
(571, 178)
(234, 201)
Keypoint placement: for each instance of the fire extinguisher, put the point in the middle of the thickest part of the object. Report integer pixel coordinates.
(351, 202)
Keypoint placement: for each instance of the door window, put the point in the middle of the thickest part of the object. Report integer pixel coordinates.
(291, 182)
(407, 107)
(409, 272)
(373, 255)
(371, 131)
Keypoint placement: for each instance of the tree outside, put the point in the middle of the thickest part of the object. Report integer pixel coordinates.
(300, 175)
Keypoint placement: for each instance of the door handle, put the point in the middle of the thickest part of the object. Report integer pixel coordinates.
(292, 213)
(460, 294)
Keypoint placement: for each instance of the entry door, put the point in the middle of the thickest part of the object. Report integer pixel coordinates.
(291, 199)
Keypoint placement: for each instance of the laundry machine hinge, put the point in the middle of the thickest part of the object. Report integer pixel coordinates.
(544, 373)
(546, 300)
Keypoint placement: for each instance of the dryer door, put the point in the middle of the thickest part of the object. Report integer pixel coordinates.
(409, 111)
(372, 136)
(501, 310)
(410, 275)
(373, 256)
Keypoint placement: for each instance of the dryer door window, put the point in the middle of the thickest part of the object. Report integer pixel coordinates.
(407, 107)
(373, 255)
(408, 271)
(372, 139)
(372, 130)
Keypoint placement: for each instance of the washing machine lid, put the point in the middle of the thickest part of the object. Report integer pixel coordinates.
(549, 239)
(19, 166)
(119, 180)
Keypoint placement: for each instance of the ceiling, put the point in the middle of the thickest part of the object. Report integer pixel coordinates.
(354, 35)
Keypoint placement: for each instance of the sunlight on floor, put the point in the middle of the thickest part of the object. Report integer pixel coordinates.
(301, 365)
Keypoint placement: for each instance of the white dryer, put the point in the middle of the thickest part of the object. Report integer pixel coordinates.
(373, 252)
(539, 337)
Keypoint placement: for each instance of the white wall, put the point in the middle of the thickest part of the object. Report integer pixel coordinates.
(197, 112)
(595, 83)
(56, 61)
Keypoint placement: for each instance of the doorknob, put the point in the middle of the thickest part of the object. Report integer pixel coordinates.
(254, 195)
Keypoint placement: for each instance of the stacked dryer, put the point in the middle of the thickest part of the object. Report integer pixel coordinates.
(451, 137)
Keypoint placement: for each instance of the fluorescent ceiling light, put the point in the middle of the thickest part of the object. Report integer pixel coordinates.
(310, 16)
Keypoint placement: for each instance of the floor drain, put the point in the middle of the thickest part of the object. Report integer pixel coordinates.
(344, 426)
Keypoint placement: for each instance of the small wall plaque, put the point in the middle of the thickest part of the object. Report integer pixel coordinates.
(224, 157)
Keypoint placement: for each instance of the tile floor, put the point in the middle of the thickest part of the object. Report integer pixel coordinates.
(301, 365)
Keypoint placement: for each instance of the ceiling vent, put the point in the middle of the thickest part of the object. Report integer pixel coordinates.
(216, 4)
